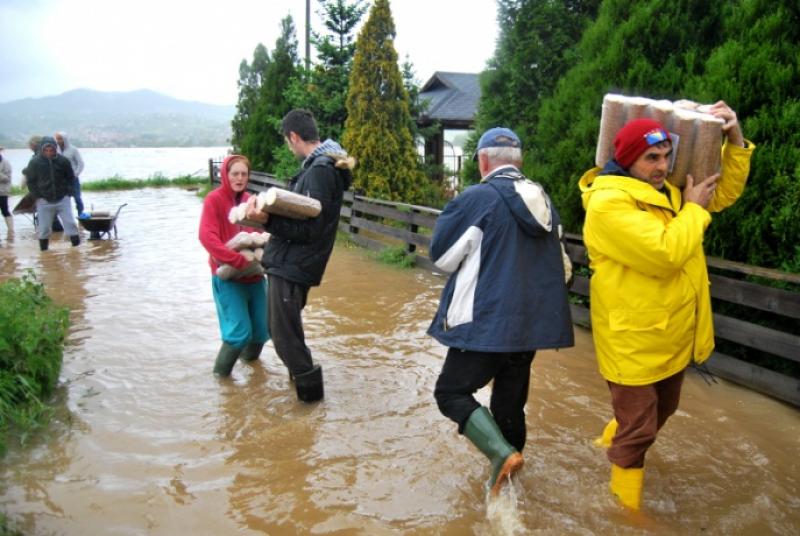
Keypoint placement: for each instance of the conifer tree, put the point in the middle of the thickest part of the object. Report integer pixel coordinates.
(323, 89)
(536, 46)
(649, 48)
(251, 77)
(376, 130)
(756, 72)
(265, 102)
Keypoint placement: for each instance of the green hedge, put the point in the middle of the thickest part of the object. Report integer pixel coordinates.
(32, 332)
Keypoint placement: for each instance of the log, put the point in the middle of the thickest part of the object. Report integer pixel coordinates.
(289, 204)
(683, 121)
(226, 271)
(238, 216)
(697, 135)
(612, 119)
(246, 240)
(704, 161)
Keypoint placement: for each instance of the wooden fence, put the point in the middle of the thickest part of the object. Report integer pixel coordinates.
(377, 224)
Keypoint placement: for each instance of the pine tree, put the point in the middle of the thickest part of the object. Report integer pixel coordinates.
(535, 48)
(323, 89)
(376, 130)
(265, 103)
(757, 73)
(251, 77)
(649, 48)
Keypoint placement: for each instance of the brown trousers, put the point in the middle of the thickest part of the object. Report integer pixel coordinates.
(641, 411)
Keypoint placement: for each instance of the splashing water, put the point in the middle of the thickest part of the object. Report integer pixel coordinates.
(504, 512)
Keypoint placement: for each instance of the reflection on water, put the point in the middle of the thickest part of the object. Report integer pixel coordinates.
(147, 441)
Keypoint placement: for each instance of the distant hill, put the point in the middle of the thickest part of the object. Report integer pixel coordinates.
(140, 118)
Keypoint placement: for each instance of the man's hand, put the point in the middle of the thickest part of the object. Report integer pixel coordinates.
(731, 128)
(253, 213)
(701, 193)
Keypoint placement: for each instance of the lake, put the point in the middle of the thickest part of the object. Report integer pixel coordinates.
(131, 162)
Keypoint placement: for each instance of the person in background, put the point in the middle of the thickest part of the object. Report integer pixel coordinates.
(505, 298)
(33, 145)
(51, 182)
(241, 303)
(298, 250)
(649, 291)
(5, 191)
(74, 156)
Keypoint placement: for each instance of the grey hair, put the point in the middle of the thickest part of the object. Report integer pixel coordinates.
(503, 155)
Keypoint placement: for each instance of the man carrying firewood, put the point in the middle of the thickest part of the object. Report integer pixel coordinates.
(298, 250)
(650, 300)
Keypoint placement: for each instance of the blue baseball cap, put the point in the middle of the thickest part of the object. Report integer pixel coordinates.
(497, 137)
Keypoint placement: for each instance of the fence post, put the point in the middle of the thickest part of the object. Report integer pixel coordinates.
(414, 228)
(211, 171)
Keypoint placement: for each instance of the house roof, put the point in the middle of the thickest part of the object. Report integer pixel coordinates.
(452, 99)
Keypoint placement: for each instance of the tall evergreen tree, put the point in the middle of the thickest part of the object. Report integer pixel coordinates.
(756, 71)
(649, 48)
(377, 127)
(323, 89)
(261, 116)
(251, 76)
(535, 48)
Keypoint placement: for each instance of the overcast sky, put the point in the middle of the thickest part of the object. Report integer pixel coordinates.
(192, 49)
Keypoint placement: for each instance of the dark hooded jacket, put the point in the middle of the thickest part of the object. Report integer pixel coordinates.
(298, 250)
(506, 293)
(49, 178)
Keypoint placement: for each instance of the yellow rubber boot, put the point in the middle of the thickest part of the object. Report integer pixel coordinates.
(604, 441)
(626, 485)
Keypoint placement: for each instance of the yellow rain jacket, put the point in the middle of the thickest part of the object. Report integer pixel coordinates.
(650, 299)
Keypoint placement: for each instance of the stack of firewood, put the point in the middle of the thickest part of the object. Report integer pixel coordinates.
(696, 134)
(251, 246)
(280, 202)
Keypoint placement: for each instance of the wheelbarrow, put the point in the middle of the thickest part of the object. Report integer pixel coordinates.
(101, 222)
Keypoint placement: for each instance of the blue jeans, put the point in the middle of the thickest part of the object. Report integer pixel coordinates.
(77, 195)
(241, 310)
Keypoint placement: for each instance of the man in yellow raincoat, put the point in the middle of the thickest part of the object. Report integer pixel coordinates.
(650, 300)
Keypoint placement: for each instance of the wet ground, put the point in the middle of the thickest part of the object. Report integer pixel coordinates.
(147, 441)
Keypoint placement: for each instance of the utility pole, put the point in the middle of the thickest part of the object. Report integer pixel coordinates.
(308, 34)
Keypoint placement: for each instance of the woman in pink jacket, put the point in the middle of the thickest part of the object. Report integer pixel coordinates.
(241, 302)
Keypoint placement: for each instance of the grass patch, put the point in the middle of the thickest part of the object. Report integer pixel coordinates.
(6, 529)
(32, 333)
(118, 183)
(396, 256)
(156, 181)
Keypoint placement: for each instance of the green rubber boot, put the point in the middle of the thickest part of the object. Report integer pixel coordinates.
(251, 352)
(226, 359)
(484, 433)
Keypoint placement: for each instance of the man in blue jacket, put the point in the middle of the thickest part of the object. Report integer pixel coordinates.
(506, 298)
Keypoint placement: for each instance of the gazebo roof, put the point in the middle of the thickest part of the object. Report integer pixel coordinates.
(452, 99)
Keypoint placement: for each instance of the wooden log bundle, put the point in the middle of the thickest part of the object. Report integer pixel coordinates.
(251, 246)
(696, 134)
(280, 202)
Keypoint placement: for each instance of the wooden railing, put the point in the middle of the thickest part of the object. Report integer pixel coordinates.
(377, 224)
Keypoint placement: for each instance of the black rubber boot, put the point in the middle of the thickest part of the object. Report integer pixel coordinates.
(44, 243)
(309, 385)
(251, 352)
(75, 239)
(226, 359)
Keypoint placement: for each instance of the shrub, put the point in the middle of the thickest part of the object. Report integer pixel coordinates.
(32, 332)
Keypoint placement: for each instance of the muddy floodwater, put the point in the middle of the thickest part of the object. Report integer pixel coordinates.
(147, 442)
